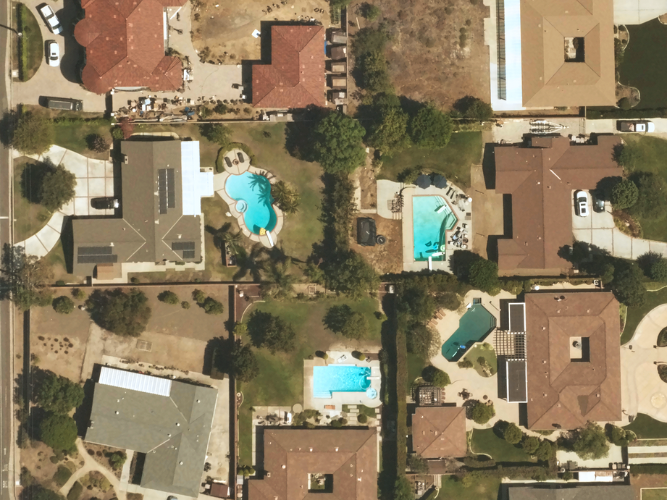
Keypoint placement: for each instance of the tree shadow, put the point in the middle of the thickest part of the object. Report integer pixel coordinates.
(461, 261)
(646, 261)
(489, 166)
(258, 324)
(216, 356)
(82, 413)
(299, 135)
(32, 179)
(605, 185)
(6, 125)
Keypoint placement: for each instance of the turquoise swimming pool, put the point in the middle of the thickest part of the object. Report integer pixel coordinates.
(253, 192)
(474, 326)
(431, 217)
(339, 378)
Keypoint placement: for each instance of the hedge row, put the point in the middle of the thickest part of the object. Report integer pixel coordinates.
(606, 113)
(518, 472)
(21, 13)
(648, 469)
(401, 395)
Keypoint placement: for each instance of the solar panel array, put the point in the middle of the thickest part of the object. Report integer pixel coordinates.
(96, 255)
(166, 189)
(183, 245)
(188, 254)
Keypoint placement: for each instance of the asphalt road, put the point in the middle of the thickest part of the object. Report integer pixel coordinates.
(6, 371)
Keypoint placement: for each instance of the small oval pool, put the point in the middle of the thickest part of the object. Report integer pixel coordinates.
(255, 191)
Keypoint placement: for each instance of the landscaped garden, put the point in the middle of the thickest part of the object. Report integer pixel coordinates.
(29, 216)
(484, 488)
(489, 366)
(646, 427)
(637, 313)
(30, 45)
(487, 441)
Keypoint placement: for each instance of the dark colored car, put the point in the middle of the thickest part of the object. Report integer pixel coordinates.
(366, 231)
(106, 203)
(598, 202)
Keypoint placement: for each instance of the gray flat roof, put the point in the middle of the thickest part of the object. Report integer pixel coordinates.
(517, 391)
(517, 313)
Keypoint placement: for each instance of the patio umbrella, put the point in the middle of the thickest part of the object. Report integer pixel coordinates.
(423, 181)
(439, 181)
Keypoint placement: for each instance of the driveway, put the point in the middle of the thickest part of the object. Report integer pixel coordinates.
(63, 80)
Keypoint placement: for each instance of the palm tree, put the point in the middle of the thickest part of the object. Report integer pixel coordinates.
(278, 281)
(251, 262)
(232, 241)
(286, 197)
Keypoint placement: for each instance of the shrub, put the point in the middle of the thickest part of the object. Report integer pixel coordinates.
(78, 294)
(75, 492)
(435, 376)
(624, 103)
(544, 451)
(33, 133)
(430, 128)
(185, 304)
(168, 297)
(624, 194)
(658, 271)
(212, 306)
(651, 201)
(61, 476)
(567, 475)
(417, 464)
(482, 412)
(512, 434)
(590, 442)
(63, 305)
(215, 132)
(117, 460)
(465, 363)
(120, 312)
(619, 436)
(370, 11)
(530, 444)
(97, 143)
(361, 418)
(198, 296)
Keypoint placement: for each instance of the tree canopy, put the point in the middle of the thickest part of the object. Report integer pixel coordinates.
(168, 297)
(403, 489)
(342, 319)
(430, 128)
(58, 431)
(652, 198)
(530, 444)
(624, 194)
(474, 108)
(272, 332)
(435, 376)
(422, 340)
(243, 363)
(57, 188)
(482, 412)
(590, 442)
(417, 301)
(627, 285)
(337, 143)
(374, 72)
(286, 197)
(483, 274)
(659, 270)
(619, 436)
(350, 274)
(58, 394)
(216, 132)
(387, 131)
(123, 313)
(512, 433)
(63, 305)
(25, 277)
(33, 134)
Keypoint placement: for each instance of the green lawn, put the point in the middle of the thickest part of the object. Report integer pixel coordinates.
(484, 488)
(636, 314)
(31, 44)
(72, 135)
(454, 161)
(647, 428)
(415, 366)
(488, 354)
(657, 494)
(280, 381)
(485, 441)
(29, 218)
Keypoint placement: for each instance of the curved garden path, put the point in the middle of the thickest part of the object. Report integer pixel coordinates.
(91, 465)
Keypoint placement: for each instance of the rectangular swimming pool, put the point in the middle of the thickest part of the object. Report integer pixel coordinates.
(431, 217)
(339, 378)
(474, 326)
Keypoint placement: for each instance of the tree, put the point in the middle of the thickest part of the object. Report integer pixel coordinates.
(512, 433)
(388, 131)
(122, 313)
(417, 464)
(198, 296)
(212, 306)
(465, 363)
(374, 73)
(434, 376)
(474, 108)
(658, 270)
(624, 194)
(337, 143)
(57, 188)
(619, 436)
(97, 143)
(314, 274)
(544, 451)
(39, 492)
(233, 241)
(370, 11)
(58, 394)
(240, 329)
(627, 285)
(168, 297)
(430, 128)
(369, 40)
(628, 155)
(482, 412)
(272, 332)
(278, 282)
(79, 294)
(286, 197)
(58, 431)
(483, 274)
(423, 341)
(25, 278)
(590, 442)
(403, 489)
(340, 4)
(417, 301)
(63, 305)
(530, 444)
(217, 133)
(350, 274)
(117, 459)
(342, 319)
(33, 134)
(651, 201)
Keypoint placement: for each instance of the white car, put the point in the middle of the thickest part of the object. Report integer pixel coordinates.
(53, 53)
(51, 19)
(581, 203)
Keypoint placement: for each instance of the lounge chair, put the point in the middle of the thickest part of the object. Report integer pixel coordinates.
(228, 162)
(240, 156)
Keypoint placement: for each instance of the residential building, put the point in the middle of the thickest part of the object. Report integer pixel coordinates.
(541, 178)
(125, 46)
(167, 420)
(573, 359)
(295, 77)
(347, 460)
(439, 432)
(162, 186)
(541, 491)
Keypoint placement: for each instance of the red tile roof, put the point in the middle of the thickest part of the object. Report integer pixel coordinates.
(295, 77)
(439, 432)
(124, 41)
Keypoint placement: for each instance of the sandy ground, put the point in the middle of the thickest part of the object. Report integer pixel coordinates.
(387, 258)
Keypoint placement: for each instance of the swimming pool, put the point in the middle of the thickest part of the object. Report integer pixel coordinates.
(255, 191)
(431, 217)
(474, 326)
(339, 378)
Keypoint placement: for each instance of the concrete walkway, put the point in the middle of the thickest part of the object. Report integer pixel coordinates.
(642, 389)
(91, 465)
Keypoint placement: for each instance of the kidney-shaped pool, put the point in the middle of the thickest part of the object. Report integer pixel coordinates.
(253, 194)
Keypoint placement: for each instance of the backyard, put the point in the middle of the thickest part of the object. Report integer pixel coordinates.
(484, 488)
(645, 68)
(487, 352)
(28, 217)
(486, 441)
(454, 161)
(280, 380)
(637, 313)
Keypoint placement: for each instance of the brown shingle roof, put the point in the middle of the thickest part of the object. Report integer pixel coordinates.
(295, 77)
(541, 179)
(439, 432)
(124, 43)
(547, 79)
(350, 455)
(561, 391)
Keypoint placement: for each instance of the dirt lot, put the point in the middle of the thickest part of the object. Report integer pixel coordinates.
(387, 258)
(225, 27)
(36, 458)
(426, 59)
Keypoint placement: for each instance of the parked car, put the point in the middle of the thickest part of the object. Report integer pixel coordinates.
(581, 203)
(635, 126)
(64, 103)
(598, 202)
(50, 17)
(104, 203)
(53, 53)
(366, 231)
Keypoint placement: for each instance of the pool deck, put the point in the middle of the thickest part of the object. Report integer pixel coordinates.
(338, 399)
(238, 168)
(388, 192)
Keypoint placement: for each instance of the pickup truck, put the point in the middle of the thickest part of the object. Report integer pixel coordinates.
(635, 126)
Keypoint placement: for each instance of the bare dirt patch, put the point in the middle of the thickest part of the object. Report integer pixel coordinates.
(222, 29)
(387, 258)
(437, 52)
(368, 187)
(37, 459)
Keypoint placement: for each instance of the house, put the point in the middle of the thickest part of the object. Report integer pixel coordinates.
(295, 77)
(166, 421)
(539, 491)
(553, 54)
(542, 178)
(161, 221)
(298, 463)
(439, 432)
(125, 46)
(573, 359)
